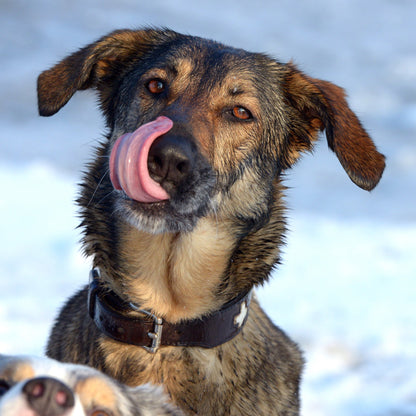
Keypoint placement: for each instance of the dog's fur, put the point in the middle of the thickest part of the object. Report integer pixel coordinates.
(221, 231)
(38, 386)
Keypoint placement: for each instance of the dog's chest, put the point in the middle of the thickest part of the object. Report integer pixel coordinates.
(192, 377)
(135, 366)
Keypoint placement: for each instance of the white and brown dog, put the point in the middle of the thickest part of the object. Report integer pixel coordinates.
(32, 386)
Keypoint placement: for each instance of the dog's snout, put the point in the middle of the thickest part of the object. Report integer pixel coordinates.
(170, 160)
(48, 396)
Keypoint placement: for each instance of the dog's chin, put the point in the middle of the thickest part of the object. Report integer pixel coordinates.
(158, 217)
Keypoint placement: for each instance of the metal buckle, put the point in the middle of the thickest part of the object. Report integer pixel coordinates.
(156, 335)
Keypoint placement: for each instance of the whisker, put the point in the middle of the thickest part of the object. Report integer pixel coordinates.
(105, 196)
(98, 185)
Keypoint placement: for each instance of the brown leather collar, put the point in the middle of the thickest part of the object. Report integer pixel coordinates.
(108, 311)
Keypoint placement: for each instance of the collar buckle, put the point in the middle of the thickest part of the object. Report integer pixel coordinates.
(156, 335)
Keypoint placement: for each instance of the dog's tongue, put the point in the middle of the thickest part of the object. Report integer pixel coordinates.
(128, 162)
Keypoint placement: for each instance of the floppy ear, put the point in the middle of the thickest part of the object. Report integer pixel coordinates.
(321, 105)
(93, 65)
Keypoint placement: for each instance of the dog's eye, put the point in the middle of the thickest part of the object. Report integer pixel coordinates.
(3, 387)
(241, 113)
(156, 86)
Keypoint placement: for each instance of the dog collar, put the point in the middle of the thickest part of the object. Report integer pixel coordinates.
(108, 311)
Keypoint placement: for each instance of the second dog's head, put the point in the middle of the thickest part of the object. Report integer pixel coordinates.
(199, 128)
(34, 386)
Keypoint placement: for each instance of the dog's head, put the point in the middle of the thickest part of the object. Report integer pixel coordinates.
(32, 386)
(198, 128)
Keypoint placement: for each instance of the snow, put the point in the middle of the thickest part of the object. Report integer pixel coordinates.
(346, 289)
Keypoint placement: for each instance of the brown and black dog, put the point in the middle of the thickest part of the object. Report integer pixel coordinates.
(183, 213)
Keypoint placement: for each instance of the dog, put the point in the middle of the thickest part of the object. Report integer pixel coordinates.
(39, 386)
(183, 213)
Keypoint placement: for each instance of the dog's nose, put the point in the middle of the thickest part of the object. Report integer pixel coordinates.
(48, 396)
(170, 160)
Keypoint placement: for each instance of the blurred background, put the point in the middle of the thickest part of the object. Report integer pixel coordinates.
(346, 291)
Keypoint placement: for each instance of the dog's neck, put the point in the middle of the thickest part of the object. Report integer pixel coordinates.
(177, 276)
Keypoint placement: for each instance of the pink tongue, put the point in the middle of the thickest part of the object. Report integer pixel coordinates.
(128, 162)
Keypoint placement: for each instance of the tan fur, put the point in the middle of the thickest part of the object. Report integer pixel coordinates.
(182, 82)
(188, 269)
(16, 370)
(94, 390)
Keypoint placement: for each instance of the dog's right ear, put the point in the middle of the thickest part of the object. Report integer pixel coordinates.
(320, 105)
(92, 65)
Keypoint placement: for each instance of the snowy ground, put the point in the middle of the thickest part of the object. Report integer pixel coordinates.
(346, 290)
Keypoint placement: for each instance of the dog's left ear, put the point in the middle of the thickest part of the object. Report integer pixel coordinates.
(96, 65)
(321, 105)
